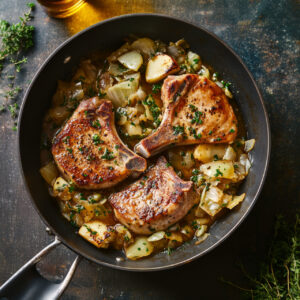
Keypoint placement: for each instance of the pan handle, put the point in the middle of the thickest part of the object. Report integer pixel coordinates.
(27, 283)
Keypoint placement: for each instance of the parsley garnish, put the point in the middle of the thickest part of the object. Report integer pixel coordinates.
(156, 88)
(218, 173)
(154, 109)
(178, 130)
(90, 230)
(96, 124)
(108, 155)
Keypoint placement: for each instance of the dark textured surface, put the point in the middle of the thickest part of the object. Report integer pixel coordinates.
(264, 34)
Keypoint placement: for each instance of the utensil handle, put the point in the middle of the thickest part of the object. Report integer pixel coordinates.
(27, 283)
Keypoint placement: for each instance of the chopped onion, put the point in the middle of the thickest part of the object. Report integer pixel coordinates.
(202, 238)
(249, 145)
(201, 230)
(236, 200)
(157, 236)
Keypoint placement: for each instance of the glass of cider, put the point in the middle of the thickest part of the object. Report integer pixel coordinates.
(62, 8)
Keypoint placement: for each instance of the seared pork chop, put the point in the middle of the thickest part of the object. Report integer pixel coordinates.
(88, 150)
(154, 202)
(196, 111)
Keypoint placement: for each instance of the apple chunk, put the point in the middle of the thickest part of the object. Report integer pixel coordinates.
(159, 67)
(131, 60)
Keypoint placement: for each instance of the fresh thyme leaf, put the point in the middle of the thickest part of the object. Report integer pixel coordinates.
(15, 39)
(279, 276)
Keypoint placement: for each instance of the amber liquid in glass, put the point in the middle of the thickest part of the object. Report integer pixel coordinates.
(62, 8)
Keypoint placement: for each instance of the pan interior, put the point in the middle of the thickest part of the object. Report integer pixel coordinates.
(109, 35)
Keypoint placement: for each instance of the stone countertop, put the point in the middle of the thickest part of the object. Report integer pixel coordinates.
(266, 36)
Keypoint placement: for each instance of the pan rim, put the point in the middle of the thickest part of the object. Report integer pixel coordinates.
(255, 197)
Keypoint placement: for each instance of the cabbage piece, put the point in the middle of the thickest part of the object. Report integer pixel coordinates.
(194, 61)
(235, 201)
(145, 45)
(229, 154)
(119, 93)
(212, 200)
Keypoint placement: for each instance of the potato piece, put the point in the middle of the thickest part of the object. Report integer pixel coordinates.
(61, 188)
(159, 67)
(131, 60)
(97, 233)
(133, 130)
(59, 113)
(174, 236)
(207, 152)
(49, 172)
(145, 45)
(140, 248)
(235, 201)
(219, 169)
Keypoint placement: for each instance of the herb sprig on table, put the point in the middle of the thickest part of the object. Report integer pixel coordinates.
(15, 40)
(279, 276)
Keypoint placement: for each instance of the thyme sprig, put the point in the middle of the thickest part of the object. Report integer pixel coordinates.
(279, 276)
(15, 40)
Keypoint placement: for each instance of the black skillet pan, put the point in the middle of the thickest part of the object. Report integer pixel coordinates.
(109, 35)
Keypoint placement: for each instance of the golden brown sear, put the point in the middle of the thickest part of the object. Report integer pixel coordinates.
(156, 201)
(88, 150)
(196, 111)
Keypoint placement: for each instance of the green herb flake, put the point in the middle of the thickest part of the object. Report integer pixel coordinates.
(178, 130)
(156, 88)
(108, 155)
(218, 173)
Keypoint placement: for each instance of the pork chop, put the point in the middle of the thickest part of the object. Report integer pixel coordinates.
(88, 150)
(196, 111)
(154, 202)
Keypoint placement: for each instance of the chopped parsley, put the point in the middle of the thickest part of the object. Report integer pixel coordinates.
(231, 130)
(178, 130)
(90, 230)
(96, 139)
(96, 124)
(108, 155)
(66, 139)
(70, 150)
(101, 95)
(218, 173)
(156, 88)
(154, 109)
(197, 118)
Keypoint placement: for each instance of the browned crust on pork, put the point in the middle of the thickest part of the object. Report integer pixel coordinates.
(79, 148)
(218, 123)
(157, 200)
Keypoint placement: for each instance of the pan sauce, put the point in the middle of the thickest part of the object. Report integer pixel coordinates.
(138, 113)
